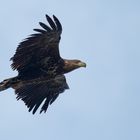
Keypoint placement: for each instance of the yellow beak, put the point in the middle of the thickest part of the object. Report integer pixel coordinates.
(82, 64)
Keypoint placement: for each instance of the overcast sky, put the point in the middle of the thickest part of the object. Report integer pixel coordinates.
(103, 102)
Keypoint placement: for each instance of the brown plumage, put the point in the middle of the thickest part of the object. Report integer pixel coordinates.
(40, 67)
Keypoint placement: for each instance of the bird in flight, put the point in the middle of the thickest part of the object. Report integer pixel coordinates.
(40, 67)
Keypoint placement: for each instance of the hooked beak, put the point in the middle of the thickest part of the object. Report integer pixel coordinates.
(82, 64)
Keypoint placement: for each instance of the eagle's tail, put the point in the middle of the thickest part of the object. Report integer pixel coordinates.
(7, 83)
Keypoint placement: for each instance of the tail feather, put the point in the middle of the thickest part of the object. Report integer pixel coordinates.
(7, 83)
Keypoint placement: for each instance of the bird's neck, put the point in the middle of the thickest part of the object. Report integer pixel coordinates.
(69, 66)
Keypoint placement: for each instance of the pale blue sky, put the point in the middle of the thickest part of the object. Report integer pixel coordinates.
(103, 102)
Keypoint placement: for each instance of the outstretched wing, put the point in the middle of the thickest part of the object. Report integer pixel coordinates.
(36, 92)
(40, 50)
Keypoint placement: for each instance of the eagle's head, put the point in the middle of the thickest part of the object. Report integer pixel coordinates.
(70, 65)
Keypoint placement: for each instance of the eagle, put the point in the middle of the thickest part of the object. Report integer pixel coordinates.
(40, 67)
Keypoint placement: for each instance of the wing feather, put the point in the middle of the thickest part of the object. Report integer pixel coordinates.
(40, 31)
(45, 26)
(59, 26)
(33, 93)
(52, 24)
(34, 51)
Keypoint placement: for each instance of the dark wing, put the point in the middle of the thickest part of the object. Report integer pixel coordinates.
(34, 93)
(40, 50)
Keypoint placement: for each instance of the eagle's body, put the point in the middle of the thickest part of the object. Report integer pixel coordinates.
(40, 67)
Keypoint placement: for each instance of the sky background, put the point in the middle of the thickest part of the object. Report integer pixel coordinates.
(103, 102)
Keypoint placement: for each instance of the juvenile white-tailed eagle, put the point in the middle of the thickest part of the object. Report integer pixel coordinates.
(40, 67)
